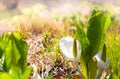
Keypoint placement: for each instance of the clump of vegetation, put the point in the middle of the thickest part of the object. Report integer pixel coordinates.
(13, 54)
(91, 43)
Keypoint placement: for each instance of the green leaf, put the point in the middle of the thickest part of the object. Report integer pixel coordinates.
(22, 48)
(95, 10)
(26, 74)
(15, 50)
(97, 28)
(81, 36)
(1, 52)
(96, 32)
(92, 69)
(84, 67)
(5, 76)
(12, 55)
(15, 72)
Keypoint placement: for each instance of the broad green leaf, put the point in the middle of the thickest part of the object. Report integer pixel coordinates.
(12, 54)
(97, 28)
(81, 36)
(96, 32)
(15, 50)
(22, 48)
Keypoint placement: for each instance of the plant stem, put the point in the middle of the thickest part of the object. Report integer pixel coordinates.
(77, 66)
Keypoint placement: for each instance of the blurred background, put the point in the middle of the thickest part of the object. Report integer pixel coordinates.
(57, 6)
(52, 8)
(50, 4)
(12, 11)
(53, 19)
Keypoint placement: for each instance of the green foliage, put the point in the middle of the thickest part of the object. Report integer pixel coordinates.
(95, 10)
(5, 76)
(15, 73)
(93, 41)
(81, 36)
(1, 52)
(98, 25)
(97, 28)
(75, 20)
(14, 52)
(26, 74)
(113, 45)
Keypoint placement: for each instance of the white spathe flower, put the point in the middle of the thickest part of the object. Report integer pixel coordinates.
(71, 48)
(66, 46)
(101, 64)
